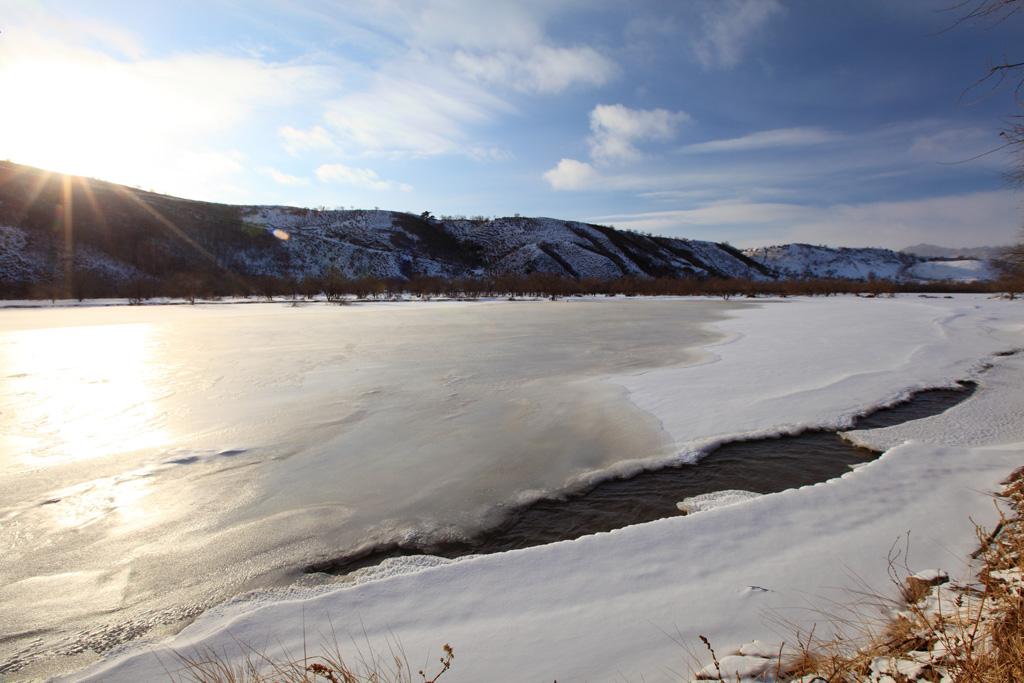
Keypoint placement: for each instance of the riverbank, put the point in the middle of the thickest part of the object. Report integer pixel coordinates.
(936, 628)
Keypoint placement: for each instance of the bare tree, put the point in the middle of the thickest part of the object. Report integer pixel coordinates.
(1011, 264)
(1007, 72)
(187, 285)
(1001, 74)
(335, 285)
(138, 289)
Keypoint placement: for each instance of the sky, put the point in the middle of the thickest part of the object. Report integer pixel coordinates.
(756, 122)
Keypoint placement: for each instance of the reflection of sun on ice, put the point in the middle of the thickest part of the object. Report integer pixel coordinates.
(84, 504)
(79, 392)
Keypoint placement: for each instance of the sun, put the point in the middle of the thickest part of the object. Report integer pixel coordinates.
(86, 112)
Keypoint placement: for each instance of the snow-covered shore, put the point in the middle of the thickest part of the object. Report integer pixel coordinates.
(613, 606)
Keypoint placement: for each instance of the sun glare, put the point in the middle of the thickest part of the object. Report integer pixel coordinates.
(94, 115)
(69, 132)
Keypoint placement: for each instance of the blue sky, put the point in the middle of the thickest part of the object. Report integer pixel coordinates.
(750, 121)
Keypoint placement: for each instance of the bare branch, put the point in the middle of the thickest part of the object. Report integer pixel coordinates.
(981, 12)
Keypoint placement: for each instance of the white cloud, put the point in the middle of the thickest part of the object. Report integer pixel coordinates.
(281, 177)
(412, 109)
(728, 29)
(977, 219)
(504, 43)
(970, 220)
(26, 17)
(955, 145)
(203, 173)
(297, 141)
(211, 163)
(489, 154)
(358, 177)
(544, 69)
(124, 42)
(716, 214)
(768, 139)
(616, 127)
(573, 175)
(498, 25)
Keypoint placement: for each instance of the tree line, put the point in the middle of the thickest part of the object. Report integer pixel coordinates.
(337, 287)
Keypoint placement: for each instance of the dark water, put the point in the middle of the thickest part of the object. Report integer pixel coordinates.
(762, 466)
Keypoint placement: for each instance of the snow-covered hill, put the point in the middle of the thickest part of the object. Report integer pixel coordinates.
(809, 261)
(391, 244)
(119, 234)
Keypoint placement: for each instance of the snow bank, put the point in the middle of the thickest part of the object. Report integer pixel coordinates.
(982, 420)
(605, 604)
(818, 363)
(614, 606)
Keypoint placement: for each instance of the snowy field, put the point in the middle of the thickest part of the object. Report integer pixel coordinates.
(601, 608)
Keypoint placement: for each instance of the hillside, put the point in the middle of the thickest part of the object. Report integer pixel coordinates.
(118, 234)
(806, 260)
(72, 236)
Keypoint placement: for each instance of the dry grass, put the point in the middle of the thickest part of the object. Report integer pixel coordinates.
(368, 665)
(990, 648)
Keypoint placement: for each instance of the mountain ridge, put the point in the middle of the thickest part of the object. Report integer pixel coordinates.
(933, 251)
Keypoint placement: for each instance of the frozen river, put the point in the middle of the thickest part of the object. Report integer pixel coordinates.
(157, 460)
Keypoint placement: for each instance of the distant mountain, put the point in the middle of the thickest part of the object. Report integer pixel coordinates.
(933, 251)
(95, 235)
(805, 261)
(958, 270)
